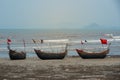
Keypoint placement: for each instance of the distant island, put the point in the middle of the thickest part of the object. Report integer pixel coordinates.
(95, 26)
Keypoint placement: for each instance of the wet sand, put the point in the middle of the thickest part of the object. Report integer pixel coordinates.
(70, 68)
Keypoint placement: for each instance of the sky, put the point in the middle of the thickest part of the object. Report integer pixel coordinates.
(55, 14)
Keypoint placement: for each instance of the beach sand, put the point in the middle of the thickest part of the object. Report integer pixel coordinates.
(70, 68)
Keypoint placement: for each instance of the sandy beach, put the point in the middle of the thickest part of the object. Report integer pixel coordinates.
(70, 68)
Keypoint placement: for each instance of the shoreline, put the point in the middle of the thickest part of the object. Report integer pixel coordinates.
(34, 55)
(70, 68)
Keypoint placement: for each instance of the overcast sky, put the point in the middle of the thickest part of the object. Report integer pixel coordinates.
(58, 13)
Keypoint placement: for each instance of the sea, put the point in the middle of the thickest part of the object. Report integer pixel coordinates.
(56, 40)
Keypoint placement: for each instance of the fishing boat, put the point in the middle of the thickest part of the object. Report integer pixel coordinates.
(46, 55)
(51, 54)
(86, 54)
(15, 55)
